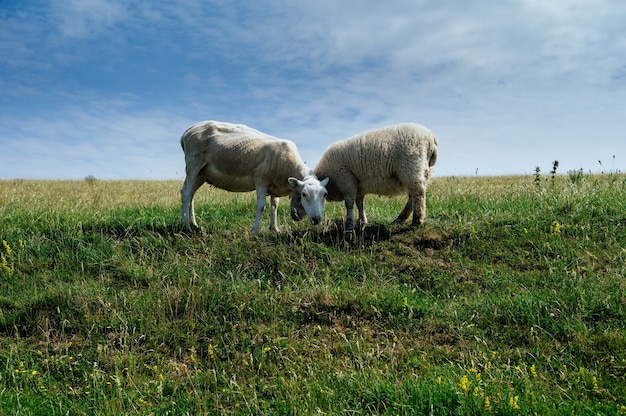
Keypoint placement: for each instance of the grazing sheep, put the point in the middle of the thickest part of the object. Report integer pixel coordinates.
(386, 161)
(238, 158)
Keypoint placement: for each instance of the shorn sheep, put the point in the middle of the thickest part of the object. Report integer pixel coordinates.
(387, 161)
(237, 158)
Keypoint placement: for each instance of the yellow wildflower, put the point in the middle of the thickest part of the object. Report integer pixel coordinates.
(465, 384)
(594, 383)
(556, 228)
(211, 351)
(487, 403)
(7, 248)
(513, 402)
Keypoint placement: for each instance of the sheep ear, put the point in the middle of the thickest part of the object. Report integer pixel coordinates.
(295, 183)
(324, 182)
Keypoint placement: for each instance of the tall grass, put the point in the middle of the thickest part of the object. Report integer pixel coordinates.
(510, 299)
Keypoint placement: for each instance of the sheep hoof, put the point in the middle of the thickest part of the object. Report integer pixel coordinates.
(417, 223)
(349, 238)
(190, 228)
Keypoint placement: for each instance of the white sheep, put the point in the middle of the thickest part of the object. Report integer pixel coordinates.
(237, 158)
(387, 161)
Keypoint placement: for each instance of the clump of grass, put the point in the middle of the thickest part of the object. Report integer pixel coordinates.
(509, 299)
(575, 176)
(90, 179)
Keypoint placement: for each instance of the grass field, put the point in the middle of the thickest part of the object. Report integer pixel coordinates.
(510, 299)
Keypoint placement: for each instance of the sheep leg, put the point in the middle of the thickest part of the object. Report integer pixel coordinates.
(418, 198)
(359, 205)
(349, 202)
(406, 211)
(190, 186)
(274, 205)
(261, 196)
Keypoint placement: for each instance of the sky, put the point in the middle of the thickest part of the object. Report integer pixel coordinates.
(105, 88)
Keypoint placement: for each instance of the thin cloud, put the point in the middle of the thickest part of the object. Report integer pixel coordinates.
(87, 18)
(107, 140)
(505, 85)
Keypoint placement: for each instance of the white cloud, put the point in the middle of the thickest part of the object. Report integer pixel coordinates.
(504, 84)
(108, 140)
(86, 18)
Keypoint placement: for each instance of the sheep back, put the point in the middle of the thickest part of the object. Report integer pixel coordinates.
(236, 157)
(386, 161)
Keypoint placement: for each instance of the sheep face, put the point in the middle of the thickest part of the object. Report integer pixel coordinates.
(307, 198)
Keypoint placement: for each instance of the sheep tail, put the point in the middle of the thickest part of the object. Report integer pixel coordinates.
(433, 154)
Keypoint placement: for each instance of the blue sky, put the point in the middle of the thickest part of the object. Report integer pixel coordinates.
(107, 87)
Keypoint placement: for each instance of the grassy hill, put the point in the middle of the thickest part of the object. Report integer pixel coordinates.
(510, 299)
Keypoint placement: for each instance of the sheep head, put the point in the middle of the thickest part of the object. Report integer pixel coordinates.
(307, 198)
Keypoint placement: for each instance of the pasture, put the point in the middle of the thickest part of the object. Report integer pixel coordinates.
(510, 299)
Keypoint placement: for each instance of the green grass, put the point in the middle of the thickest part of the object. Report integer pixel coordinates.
(510, 299)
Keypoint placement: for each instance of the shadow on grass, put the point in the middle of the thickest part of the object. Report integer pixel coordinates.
(123, 231)
(334, 235)
(331, 235)
(52, 308)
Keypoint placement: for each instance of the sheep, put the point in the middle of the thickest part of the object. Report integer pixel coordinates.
(386, 161)
(237, 158)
